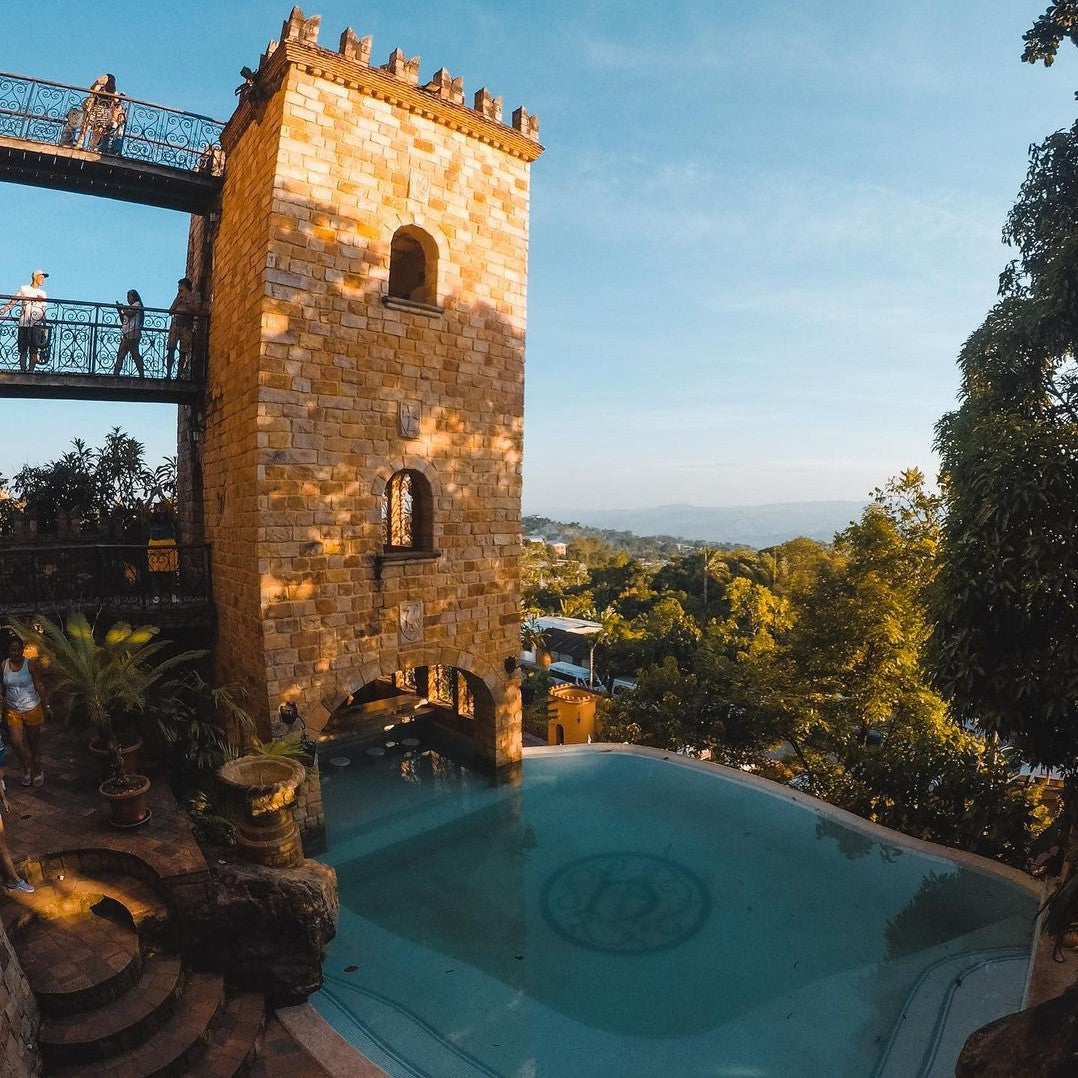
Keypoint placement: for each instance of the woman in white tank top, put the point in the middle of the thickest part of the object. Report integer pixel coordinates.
(24, 711)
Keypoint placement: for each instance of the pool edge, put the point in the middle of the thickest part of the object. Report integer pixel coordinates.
(986, 865)
(325, 1045)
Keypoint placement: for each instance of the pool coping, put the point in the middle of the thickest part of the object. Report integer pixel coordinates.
(825, 808)
(336, 1056)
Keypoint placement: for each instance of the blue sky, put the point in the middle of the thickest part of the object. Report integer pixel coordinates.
(760, 231)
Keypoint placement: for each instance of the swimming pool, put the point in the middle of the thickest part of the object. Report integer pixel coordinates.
(619, 912)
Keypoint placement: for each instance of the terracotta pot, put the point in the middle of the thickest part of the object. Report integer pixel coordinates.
(128, 806)
(99, 751)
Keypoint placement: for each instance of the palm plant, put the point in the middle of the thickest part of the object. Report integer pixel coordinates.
(108, 679)
(531, 636)
(291, 748)
(201, 725)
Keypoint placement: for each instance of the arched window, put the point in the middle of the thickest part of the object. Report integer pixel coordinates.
(413, 266)
(406, 513)
(450, 687)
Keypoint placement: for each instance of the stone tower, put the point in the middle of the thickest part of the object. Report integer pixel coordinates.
(361, 442)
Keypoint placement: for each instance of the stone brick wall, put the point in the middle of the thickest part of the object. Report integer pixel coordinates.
(309, 814)
(310, 373)
(230, 453)
(19, 1019)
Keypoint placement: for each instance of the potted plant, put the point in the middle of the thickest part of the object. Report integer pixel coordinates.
(111, 680)
(126, 796)
(201, 726)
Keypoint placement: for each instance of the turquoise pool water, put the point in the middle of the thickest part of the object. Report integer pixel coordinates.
(627, 915)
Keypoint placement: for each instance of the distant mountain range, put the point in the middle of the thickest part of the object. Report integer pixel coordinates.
(748, 525)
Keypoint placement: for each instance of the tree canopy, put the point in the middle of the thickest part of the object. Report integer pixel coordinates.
(1043, 38)
(1005, 645)
(106, 486)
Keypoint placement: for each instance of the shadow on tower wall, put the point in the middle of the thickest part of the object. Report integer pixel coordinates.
(319, 393)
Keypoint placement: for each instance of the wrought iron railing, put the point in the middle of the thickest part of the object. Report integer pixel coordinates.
(64, 115)
(84, 339)
(117, 576)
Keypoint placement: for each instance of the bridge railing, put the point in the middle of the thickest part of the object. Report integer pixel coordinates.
(55, 112)
(50, 578)
(84, 339)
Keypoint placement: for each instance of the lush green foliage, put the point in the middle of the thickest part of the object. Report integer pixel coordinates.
(200, 727)
(804, 663)
(110, 487)
(110, 679)
(1005, 650)
(1042, 40)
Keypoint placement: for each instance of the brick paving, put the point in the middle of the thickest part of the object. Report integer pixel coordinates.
(68, 815)
(283, 1058)
(119, 1023)
(110, 1005)
(80, 954)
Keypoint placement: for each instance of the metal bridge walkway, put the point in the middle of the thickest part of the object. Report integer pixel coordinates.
(65, 137)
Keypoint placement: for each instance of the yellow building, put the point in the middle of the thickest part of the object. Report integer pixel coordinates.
(572, 715)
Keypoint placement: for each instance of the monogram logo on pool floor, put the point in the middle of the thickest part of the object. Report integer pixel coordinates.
(625, 903)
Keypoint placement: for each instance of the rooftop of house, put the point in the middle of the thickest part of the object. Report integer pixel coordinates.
(568, 625)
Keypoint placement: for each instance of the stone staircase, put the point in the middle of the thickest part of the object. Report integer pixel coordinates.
(114, 999)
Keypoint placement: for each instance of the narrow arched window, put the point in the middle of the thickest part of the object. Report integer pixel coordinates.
(451, 688)
(406, 512)
(413, 266)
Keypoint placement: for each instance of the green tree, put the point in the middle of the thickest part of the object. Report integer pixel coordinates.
(860, 639)
(10, 508)
(792, 568)
(1005, 644)
(937, 783)
(110, 486)
(1044, 37)
(670, 708)
(712, 562)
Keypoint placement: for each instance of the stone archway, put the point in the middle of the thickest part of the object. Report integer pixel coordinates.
(464, 695)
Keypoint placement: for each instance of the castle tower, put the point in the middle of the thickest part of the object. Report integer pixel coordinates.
(361, 454)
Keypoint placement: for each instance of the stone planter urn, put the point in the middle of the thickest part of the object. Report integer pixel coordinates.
(266, 789)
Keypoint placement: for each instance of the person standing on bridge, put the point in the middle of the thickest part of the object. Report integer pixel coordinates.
(97, 111)
(181, 331)
(33, 336)
(69, 133)
(112, 141)
(131, 316)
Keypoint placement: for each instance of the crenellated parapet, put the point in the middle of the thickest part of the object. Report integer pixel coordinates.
(353, 55)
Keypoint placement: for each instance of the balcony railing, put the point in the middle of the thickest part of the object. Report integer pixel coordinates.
(54, 112)
(84, 339)
(46, 579)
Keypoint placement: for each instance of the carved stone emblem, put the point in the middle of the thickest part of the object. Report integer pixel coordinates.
(408, 419)
(411, 622)
(419, 186)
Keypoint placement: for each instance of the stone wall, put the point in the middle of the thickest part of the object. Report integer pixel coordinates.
(309, 813)
(320, 390)
(19, 1019)
(230, 452)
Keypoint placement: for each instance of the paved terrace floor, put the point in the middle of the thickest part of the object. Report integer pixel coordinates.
(62, 826)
